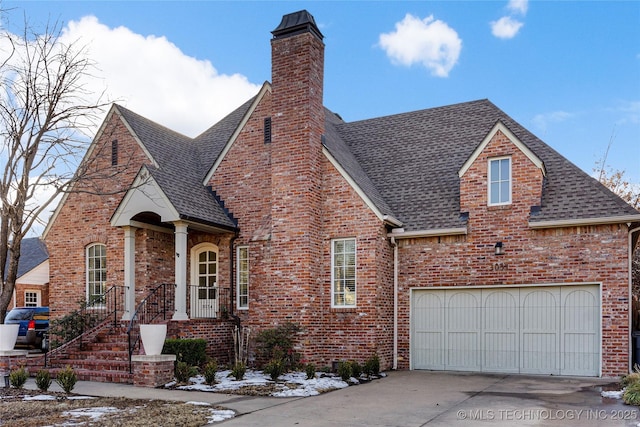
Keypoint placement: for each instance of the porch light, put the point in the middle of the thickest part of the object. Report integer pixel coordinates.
(499, 248)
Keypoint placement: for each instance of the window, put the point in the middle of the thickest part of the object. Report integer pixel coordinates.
(207, 275)
(500, 181)
(32, 298)
(243, 277)
(96, 274)
(343, 272)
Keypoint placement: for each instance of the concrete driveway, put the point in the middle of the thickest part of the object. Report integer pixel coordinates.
(424, 398)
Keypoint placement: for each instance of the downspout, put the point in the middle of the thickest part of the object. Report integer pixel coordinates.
(232, 278)
(631, 231)
(395, 302)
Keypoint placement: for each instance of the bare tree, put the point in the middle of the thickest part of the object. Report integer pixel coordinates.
(45, 117)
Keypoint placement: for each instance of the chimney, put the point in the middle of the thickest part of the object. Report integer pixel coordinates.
(297, 126)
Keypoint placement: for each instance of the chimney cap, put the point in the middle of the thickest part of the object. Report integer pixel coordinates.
(297, 23)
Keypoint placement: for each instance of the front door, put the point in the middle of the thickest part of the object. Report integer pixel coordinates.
(204, 289)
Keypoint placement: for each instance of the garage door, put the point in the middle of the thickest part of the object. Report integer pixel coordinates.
(532, 330)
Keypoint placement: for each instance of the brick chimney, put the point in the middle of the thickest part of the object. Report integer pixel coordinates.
(296, 162)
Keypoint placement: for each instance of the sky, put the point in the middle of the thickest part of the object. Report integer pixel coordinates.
(569, 71)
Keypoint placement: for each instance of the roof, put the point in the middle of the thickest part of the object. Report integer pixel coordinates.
(412, 160)
(183, 162)
(33, 252)
(406, 164)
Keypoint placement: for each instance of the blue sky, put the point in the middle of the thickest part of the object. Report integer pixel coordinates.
(568, 71)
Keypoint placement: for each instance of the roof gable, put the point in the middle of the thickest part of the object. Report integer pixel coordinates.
(500, 127)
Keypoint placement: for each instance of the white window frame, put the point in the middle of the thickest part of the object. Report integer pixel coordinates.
(242, 277)
(499, 181)
(102, 269)
(37, 298)
(335, 293)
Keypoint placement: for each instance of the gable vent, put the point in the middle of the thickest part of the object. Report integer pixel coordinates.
(267, 130)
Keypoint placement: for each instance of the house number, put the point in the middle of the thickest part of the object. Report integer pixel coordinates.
(500, 266)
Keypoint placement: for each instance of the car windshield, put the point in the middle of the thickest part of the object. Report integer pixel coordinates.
(19, 315)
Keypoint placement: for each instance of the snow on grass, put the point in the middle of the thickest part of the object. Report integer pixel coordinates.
(93, 413)
(293, 384)
(217, 415)
(40, 397)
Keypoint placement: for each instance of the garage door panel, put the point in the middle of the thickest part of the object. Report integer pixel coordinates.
(536, 330)
(500, 330)
(428, 320)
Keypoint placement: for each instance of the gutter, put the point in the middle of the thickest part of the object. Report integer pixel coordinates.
(585, 221)
(399, 233)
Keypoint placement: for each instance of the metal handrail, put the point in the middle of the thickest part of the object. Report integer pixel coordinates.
(156, 304)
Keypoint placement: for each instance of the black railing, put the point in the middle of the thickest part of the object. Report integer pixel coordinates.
(155, 307)
(208, 302)
(104, 309)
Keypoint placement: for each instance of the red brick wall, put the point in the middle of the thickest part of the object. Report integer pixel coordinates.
(590, 255)
(84, 219)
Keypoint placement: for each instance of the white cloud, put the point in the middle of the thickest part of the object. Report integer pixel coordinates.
(429, 42)
(518, 6)
(154, 78)
(506, 27)
(542, 121)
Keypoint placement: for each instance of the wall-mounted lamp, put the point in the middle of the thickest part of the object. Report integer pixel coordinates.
(499, 248)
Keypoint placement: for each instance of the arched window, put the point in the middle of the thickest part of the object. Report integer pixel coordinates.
(96, 257)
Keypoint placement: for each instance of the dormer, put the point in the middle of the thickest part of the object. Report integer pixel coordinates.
(502, 173)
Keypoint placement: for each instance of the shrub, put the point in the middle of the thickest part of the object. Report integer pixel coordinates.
(356, 369)
(310, 370)
(43, 380)
(238, 370)
(344, 370)
(67, 379)
(184, 371)
(191, 351)
(210, 371)
(275, 368)
(631, 395)
(17, 377)
(72, 325)
(278, 343)
(372, 366)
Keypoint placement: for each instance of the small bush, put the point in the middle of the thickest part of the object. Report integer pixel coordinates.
(310, 370)
(631, 395)
(43, 380)
(18, 377)
(356, 369)
(210, 371)
(238, 370)
(191, 351)
(372, 366)
(275, 368)
(278, 343)
(344, 370)
(67, 379)
(183, 372)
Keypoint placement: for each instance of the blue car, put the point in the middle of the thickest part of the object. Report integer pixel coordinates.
(34, 325)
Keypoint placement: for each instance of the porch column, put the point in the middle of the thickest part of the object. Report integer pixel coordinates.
(181, 271)
(129, 272)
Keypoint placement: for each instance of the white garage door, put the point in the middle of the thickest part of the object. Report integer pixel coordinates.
(533, 330)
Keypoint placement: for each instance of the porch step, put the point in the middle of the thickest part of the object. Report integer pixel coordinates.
(103, 376)
(96, 365)
(101, 355)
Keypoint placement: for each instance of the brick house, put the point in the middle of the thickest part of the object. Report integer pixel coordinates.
(450, 238)
(32, 283)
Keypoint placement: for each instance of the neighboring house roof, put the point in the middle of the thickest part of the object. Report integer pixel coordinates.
(33, 252)
(413, 160)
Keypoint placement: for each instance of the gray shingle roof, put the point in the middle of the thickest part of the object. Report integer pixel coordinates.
(33, 252)
(412, 159)
(182, 166)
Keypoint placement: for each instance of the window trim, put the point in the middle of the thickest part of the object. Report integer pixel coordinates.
(239, 295)
(37, 293)
(490, 181)
(195, 253)
(355, 273)
(88, 283)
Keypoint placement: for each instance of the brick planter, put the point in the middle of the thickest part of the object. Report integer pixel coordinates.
(153, 371)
